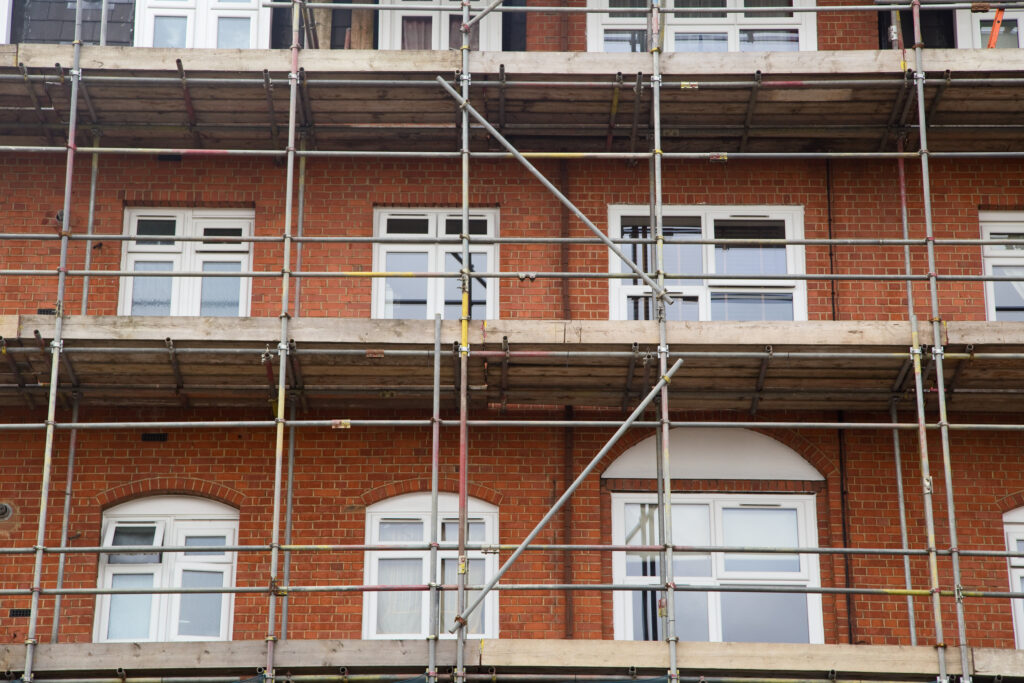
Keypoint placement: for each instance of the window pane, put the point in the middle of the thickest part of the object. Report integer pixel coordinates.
(129, 616)
(640, 307)
(221, 296)
(623, 4)
(455, 34)
(1007, 33)
(400, 531)
(1017, 236)
(405, 297)
(152, 295)
(679, 258)
(169, 31)
(1009, 296)
(408, 226)
(133, 535)
(450, 531)
(449, 602)
(770, 40)
(751, 306)
(751, 259)
(453, 287)
(700, 4)
(199, 613)
(691, 616)
(204, 541)
(155, 227)
(626, 40)
(768, 3)
(222, 232)
(477, 226)
(233, 32)
(702, 42)
(765, 528)
(398, 611)
(691, 525)
(416, 33)
(764, 618)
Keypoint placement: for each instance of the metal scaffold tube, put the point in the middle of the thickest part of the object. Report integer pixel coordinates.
(937, 345)
(435, 467)
(65, 521)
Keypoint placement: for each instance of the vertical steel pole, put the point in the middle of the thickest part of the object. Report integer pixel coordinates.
(908, 268)
(665, 503)
(937, 345)
(289, 498)
(435, 466)
(56, 346)
(464, 78)
(89, 227)
(282, 347)
(65, 521)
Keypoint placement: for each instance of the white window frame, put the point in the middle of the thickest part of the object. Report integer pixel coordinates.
(186, 292)
(1000, 222)
(968, 27)
(1013, 529)
(416, 507)
(793, 218)
(805, 23)
(390, 25)
(435, 254)
(190, 516)
(202, 18)
(6, 13)
(808, 575)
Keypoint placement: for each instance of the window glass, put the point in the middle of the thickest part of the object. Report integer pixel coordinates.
(477, 286)
(220, 295)
(152, 295)
(691, 616)
(170, 31)
(769, 40)
(701, 4)
(207, 541)
(702, 42)
(130, 614)
(399, 611)
(449, 601)
(477, 532)
(156, 227)
(768, 3)
(233, 32)
(754, 259)
(477, 226)
(416, 33)
(133, 536)
(1007, 33)
(764, 618)
(748, 306)
(1009, 296)
(761, 527)
(400, 531)
(199, 614)
(405, 297)
(626, 4)
(625, 40)
(455, 35)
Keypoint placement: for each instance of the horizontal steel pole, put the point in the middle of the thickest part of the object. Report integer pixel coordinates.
(701, 10)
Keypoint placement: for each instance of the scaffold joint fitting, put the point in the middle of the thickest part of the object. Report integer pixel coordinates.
(688, 85)
(463, 350)
(668, 380)
(527, 276)
(718, 156)
(657, 152)
(270, 639)
(31, 641)
(663, 348)
(341, 424)
(980, 7)
(927, 483)
(655, 78)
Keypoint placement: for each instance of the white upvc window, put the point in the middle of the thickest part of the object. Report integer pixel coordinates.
(781, 31)
(157, 522)
(1013, 527)
(748, 296)
(437, 30)
(1004, 298)
(754, 521)
(406, 520)
(224, 296)
(241, 24)
(973, 29)
(6, 10)
(422, 297)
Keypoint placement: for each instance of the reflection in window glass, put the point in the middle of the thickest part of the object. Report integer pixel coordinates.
(770, 40)
(477, 286)
(702, 42)
(449, 602)
(199, 614)
(133, 535)
(751, 306)
(1007, 33)
(691, 616)
(233, 32)
(405, 297)
(764, 618)
(170, 31)
(156, 227)
(625, 40)
(1009, 296)
(152, 295)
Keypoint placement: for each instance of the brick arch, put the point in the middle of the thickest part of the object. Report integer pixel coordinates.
(1010, 502)
(420, 484)
(175, 486)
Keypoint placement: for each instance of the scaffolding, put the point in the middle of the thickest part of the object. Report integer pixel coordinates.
(927, 353)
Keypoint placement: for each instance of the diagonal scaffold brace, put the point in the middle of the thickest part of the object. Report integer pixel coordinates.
(623, 428)
(659, 291)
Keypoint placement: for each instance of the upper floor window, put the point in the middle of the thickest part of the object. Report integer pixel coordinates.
(767, 521)
(759, 290)
(1005, 298)
(772, 31)
(156, 522)
(411, 248)
(222, 295)
(406, 520)
(202, 23)
(1013, 526)
(437, 30)
(974, 29)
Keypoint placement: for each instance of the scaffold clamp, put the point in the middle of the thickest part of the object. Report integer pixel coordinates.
(341, 424)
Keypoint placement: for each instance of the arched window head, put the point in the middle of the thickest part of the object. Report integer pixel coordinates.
(1013, 526)
(406, 521)
(157, 525)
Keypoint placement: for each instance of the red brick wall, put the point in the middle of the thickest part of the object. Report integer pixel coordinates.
(338, 473)
(862, 198)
